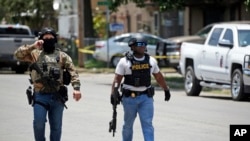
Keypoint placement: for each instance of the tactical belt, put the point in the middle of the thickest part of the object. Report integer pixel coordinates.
(129, 93)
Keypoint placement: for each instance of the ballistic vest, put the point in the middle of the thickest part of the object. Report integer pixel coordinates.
(51, 67)
(141, 75)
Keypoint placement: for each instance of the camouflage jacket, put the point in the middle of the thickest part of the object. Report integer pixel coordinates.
(30, 54)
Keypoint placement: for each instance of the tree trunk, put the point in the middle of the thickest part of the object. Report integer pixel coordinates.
(88, 22)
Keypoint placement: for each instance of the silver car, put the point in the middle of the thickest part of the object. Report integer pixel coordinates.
(113, 49)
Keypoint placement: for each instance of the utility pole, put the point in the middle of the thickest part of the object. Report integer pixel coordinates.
(80, 32)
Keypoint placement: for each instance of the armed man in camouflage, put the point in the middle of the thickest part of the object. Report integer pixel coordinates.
(47, 77)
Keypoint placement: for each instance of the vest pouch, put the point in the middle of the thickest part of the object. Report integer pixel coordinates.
(137, 82)
(54, 73)
(66, 77)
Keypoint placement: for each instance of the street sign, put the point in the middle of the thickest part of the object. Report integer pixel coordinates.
(103, 3)
(116, 27)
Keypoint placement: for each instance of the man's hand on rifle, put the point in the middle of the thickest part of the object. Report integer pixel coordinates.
(77, 95)
(115, 98)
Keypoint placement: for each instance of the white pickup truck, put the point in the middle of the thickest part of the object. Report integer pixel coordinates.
(223, 61)
(11, 37)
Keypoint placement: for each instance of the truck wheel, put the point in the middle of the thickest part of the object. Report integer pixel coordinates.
(237, 86)
(191, 83)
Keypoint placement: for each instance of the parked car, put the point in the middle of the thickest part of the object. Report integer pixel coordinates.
(113, 49)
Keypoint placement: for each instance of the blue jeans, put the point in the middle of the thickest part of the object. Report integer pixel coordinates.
(143, 105)
(54, 108)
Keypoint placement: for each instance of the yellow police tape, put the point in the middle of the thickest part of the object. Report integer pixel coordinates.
(87, 50)
(167, 57)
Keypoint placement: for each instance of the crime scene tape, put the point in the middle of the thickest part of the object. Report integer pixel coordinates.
(87, 49)
(167, 57)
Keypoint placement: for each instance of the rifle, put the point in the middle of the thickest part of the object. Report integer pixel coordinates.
(112, 123)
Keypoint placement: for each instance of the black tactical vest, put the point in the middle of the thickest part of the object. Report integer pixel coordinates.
(141, 75)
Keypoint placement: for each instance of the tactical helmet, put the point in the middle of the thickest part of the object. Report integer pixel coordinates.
(47, 30)
(133, 41)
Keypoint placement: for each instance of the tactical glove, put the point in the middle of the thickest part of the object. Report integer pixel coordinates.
(113, 99)
(167, 95)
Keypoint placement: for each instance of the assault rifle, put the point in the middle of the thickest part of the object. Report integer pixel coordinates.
(112, 123)
(50, 81)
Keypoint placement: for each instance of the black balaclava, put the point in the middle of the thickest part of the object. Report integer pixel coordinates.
(49, 45)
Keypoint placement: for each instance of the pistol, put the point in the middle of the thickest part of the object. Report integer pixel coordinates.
(29, 95)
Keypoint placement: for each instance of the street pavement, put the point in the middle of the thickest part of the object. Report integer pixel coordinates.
(183, 118)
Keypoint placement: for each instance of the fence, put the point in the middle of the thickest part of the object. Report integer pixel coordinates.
(70, 46)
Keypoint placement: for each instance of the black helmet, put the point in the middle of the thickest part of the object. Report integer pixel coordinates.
(47, 30)
(133, 41)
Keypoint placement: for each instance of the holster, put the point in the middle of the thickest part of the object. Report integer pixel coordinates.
(29, 94)
(63, 92)
(151, 91)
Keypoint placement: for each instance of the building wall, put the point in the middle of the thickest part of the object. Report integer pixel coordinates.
(134, 19)
(244, 15)
(150, 20)
(195, 19)
(171, 23)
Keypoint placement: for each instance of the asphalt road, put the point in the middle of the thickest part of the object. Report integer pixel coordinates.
(183, 118)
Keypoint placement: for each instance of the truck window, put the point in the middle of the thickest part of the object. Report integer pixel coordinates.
(214, 38)
(14, 31)
(244, 38)
(228, 35)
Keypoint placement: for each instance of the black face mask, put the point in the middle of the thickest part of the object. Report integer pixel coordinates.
(49, 45)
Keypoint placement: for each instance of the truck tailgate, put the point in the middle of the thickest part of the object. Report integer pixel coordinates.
(9, 44)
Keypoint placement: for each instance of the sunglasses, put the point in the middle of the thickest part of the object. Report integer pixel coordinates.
(141, 44)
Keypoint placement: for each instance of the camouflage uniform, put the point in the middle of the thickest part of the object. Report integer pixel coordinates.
(29, 53)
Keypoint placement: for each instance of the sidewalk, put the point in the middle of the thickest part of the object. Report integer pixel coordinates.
(112, 70)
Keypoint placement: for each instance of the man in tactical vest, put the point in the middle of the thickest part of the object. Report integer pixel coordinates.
(48, 65)
(137, 92)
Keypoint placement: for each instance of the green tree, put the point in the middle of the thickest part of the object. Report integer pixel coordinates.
(163, 5)
(34, 13)
(13, 10)
(247, 3)
(100, 25)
